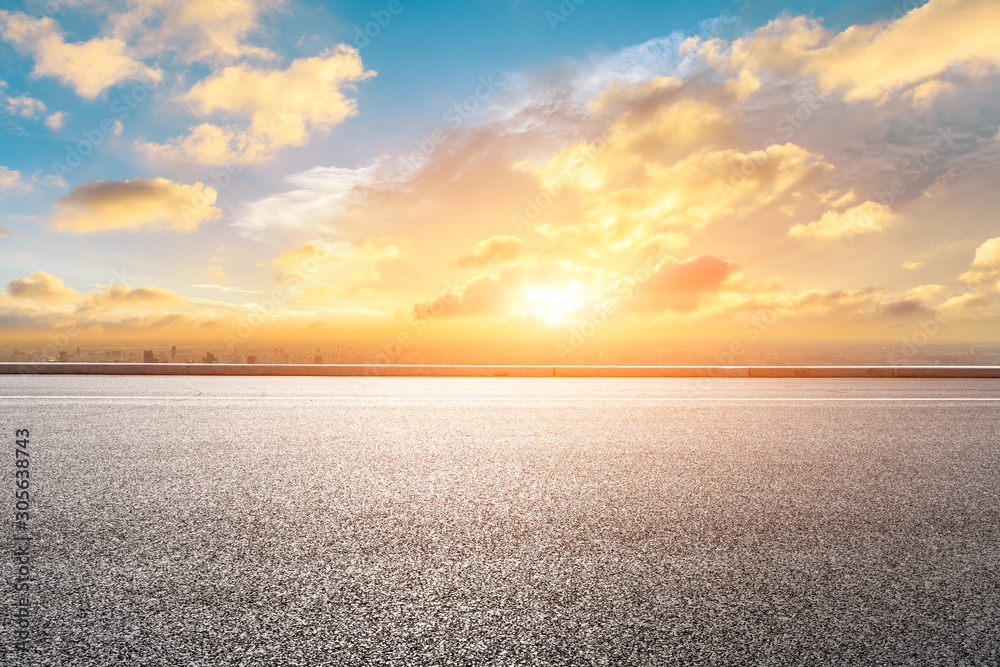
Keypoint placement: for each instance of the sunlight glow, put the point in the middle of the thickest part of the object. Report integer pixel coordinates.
(553, 305)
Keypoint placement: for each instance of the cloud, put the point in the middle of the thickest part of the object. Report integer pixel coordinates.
(495, 249)
(913, 266)
(115, 297)
(507, 293)
(483, 295)
(924, 94)
(866, 305)
(660, 130)
(545, 202)
(56, 120)
(10, 179)
(214, 269)
(319, 197)
(635, 199)
(207, 31)
(861, 219)
(676, 286)
(379, 249)
(282, 106)
(324, 271)
(24, 106)
(137, 204)
(866, 62)
(6, 233)
(986, 263)
(965, 303)
(89, 67)
(43, 287)
(297, 263)
(663, 165)
(925, 292)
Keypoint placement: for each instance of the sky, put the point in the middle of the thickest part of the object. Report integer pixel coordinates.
(579, 172)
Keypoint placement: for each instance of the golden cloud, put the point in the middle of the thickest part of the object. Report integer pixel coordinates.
(691, 193)
(379, 249)
(494, 249)
(89, 67)
(963, 304)
(925, 292)
(506, 293)
(212, 31)
(621, 96)
(483, 295)
(282, 106)
(674, 286)
(326, 271)
(651, 131)
(861, 219)
(927, 92)
(114, 297)
(299, 263)
(866, 62)
(986, 263)
(102, 206)
(860, 306)
(43, 287)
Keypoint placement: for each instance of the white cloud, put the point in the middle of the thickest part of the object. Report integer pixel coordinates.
(320, 197)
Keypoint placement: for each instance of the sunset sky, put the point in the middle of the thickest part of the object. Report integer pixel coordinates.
(500, 169)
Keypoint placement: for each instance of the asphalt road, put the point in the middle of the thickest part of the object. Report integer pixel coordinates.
(502, 521)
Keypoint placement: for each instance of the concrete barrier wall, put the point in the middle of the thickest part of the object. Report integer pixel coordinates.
(404, 370)
(874, 371)
(653, 371)
(399, 370)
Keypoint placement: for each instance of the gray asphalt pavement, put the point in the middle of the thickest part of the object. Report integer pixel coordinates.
(503, 521)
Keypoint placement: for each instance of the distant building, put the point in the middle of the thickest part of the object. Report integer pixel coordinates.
(209, 358)
(148, 357)
(173, 354)
(252, 359)
(62, 356)
(318, 359)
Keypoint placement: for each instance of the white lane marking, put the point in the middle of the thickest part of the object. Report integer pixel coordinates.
(496, 398)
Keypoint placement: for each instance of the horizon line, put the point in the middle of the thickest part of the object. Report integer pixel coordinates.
(495, 370)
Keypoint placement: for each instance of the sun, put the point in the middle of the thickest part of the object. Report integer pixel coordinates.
(553, 305)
